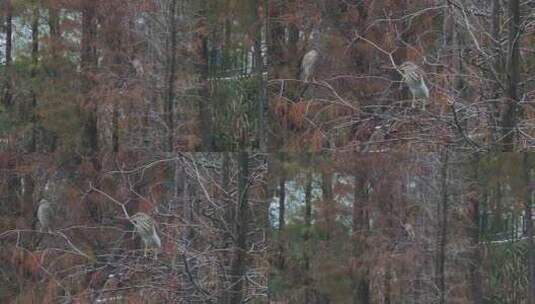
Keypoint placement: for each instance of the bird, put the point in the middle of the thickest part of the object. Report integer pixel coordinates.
(46, 214)
(138, 66)
(409, 230)
(413, 77)
(146, 228)
(308, 64)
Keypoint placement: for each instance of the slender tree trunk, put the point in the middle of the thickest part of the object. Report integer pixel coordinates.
(205, 112)
(388, 283)
(229, 217)
(54, 64)
(276, 34)
(528, 204)
(8, 95)
(33, 74)
(306, 238)
(229, 206)
(240, 253)
(494, 106)
(474, 233)
(259, 69)
(328, 202)
(268, 193)
(282, 219)
(359, 277)
(88, 65)
(292, 60)
(443, 230)
(53, 26)
(116, 42)
(171, 77)
(510, 114)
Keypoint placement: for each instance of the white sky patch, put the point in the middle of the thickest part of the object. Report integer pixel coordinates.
(295, 199)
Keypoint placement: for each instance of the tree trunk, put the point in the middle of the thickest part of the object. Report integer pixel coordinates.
(276, 34)
(54, 64)
(55, 36)
(306, 238)
(494, 106)
(229, 218)
(116, 42)
(528, 212)
(225, 182)
(328, 202)
(359, 277)
(443, 230)
(33, 74)
(259, 69)
(474, 233)
(509, 120)
(205, 112)
(88, 65)
(8, 95)
(171, 77)
(240, 253)
(282, 220)
(388, 283)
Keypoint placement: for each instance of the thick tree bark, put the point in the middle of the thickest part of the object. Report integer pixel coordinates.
(7, 97)
(509, 120)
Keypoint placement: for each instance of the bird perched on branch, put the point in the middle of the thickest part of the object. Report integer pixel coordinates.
(308, 64)
(138, 66)
(146, 228)
(413, 77)
(46, 214)
(309, 61)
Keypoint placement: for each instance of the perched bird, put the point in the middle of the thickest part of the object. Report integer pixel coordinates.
(410, 231)
(138, 66)
(145, 227)
(413, 77)
(45, 214)
(308, 64)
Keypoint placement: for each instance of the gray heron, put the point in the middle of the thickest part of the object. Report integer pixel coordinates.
(146, 228)
(413, 77)
(46, 214)
(308, 65)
